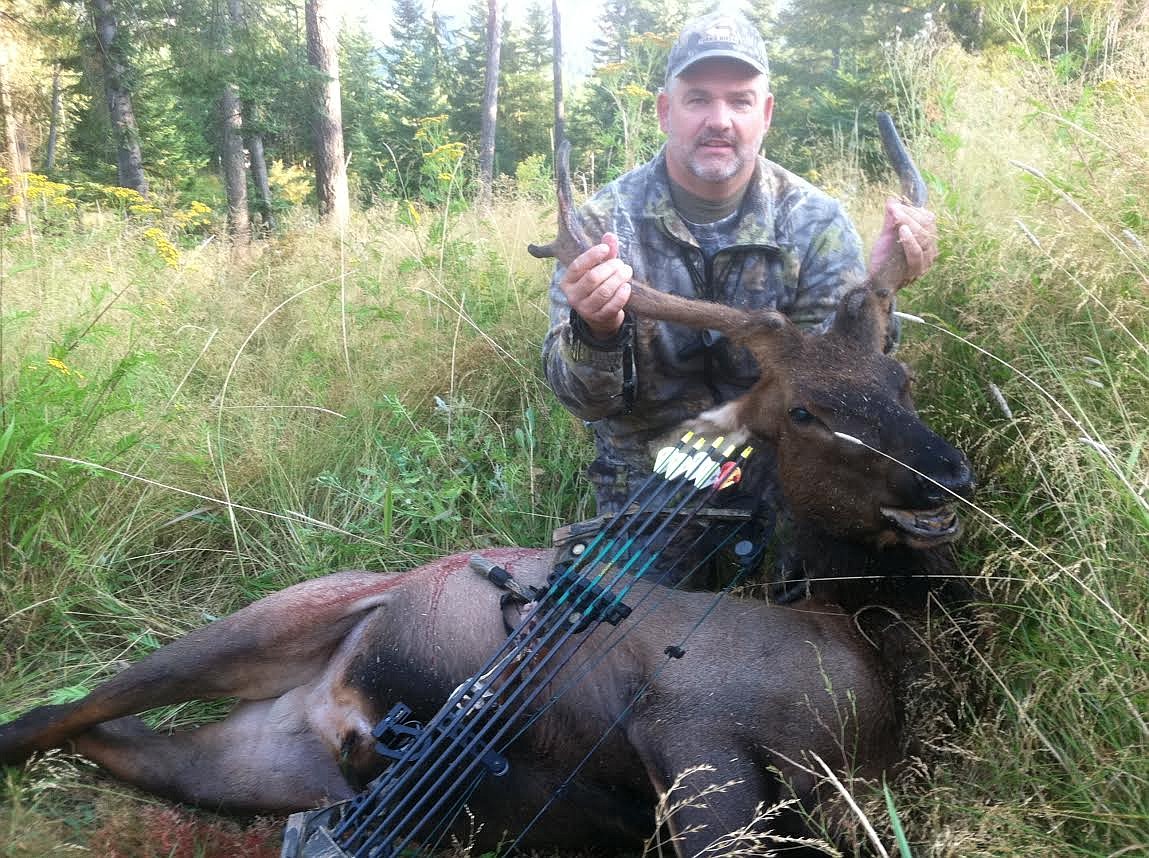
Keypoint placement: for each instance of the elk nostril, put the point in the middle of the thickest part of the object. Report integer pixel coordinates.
(962, 482)
(941, 487)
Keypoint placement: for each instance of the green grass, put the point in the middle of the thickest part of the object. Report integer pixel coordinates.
(377, 401)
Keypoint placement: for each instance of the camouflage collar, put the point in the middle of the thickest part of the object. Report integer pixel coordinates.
(755, 227)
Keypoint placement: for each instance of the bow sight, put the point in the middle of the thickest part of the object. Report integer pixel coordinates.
(433, 768)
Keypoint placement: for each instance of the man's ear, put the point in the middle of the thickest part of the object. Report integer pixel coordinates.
(768, 111)
(663, 104)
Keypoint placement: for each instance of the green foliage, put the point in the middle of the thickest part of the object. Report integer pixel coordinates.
(526, 93)
(615, 117)
(52, 408)
(415, 81)
(1046, 389)
(830, 72)
(533, 178)
(441, 160)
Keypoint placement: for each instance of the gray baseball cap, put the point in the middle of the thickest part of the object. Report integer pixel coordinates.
(719, 34)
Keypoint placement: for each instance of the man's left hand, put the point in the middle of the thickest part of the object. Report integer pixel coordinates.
(910, 231)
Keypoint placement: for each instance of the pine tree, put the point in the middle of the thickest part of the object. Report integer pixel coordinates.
(330, 167)
(526, 98)
(616, 116)
(490, 103)
(831, 76)
(113, 58)
(414, 70)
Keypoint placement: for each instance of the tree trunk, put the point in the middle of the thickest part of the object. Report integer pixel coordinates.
(557, 64)
(323, 55)
(11, 140)
(260, 180)
(254, 136)
(234, 171)
(490, 105)
(53, 123)
(231, 141)
(129, 163)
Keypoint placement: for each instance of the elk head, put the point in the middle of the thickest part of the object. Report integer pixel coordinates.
(854, 460)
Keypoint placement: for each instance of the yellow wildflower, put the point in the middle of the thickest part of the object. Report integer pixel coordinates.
(164, 248)
(413, 212)
(454, 149)
(59, 366)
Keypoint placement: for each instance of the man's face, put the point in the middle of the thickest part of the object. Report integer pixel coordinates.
(715, 115)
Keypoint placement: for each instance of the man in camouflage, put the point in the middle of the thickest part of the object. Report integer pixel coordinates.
(706, 218)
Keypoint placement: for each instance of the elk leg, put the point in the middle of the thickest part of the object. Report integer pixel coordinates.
(278, 643)
(725, 810)
(261, 758)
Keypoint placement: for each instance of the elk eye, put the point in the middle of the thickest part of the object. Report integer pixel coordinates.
(801, 416)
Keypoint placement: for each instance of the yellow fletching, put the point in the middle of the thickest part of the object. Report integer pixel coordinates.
(726, 453)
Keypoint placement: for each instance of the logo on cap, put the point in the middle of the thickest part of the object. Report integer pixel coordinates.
(717, 35)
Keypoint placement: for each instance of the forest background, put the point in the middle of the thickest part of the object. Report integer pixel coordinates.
(214, 384)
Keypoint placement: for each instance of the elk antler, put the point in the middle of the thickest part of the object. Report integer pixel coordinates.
(891, 276)
(913, 188)
(572, 241)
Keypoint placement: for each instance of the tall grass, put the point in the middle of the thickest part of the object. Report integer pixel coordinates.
(1035, 359)
(374, 399)
(179, 440)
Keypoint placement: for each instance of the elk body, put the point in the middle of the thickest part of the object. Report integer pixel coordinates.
(760, 689)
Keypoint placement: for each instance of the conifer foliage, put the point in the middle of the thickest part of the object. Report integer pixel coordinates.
(174, 97)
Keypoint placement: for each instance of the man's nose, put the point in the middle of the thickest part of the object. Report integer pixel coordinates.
(719, 115)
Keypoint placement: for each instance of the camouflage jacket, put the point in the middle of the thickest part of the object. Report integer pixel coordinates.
(795, 251)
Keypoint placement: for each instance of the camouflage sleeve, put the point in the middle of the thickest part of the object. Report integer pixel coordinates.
(586, 377)
(830, 263)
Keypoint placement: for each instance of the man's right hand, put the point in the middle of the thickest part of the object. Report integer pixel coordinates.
(597, 287)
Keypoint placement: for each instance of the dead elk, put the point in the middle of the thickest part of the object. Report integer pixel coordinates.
(761, 689)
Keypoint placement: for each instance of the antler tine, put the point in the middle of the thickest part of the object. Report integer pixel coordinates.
(913, 188)
(892, 275)
(571, 240)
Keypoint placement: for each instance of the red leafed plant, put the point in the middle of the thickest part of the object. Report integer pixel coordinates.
(170, 832)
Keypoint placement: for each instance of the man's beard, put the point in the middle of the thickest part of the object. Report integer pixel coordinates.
(721, 170)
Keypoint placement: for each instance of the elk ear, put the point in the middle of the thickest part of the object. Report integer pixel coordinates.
(863, 316)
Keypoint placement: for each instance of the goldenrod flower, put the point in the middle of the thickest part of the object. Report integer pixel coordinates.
(167, 251)
(59, 366)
